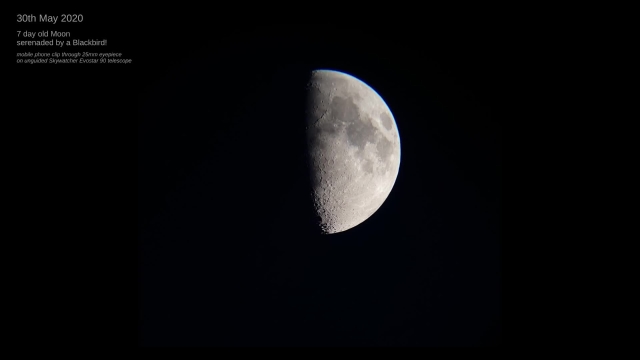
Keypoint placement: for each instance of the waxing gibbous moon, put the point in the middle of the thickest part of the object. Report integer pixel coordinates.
(353, 148)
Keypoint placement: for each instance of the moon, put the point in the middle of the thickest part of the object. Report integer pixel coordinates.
(353, 148)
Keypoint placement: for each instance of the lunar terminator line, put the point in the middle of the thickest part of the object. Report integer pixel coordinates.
(354, 149)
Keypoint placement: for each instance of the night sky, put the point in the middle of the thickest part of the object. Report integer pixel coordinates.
(228, 256)
(214, 245)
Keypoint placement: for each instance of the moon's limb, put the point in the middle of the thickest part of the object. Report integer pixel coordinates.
(354, 149)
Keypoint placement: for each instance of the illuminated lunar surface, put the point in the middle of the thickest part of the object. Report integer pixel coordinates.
(354, 149)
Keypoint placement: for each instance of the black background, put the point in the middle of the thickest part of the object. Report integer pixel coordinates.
(224, 254)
